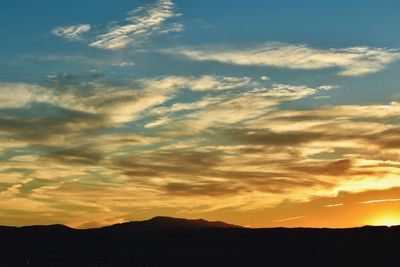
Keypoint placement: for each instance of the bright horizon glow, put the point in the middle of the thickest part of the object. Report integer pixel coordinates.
(386, 220)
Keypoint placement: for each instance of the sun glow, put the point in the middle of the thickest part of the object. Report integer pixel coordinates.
(386, 220)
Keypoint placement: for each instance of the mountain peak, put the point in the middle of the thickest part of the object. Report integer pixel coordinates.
(171, 223)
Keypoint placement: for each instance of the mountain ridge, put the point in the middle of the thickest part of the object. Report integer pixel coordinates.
(174, 223)
(167, 241)
(155, 223)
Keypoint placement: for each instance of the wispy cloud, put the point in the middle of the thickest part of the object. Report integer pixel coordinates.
(201, 83)
(291, 219)
(334, 205)
(72, 33)
(381, 201)
(142, 22)
(159, 122)
(352, 61)
(79, 137)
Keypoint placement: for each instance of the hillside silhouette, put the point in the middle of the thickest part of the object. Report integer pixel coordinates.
(165, 241)
(161, 223)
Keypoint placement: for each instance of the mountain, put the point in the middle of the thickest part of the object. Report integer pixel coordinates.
(52, 227)
(165, 241)
(161, 223)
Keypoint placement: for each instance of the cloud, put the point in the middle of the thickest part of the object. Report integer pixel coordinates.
(67, 111)
(159, 143)
(80, 155)
(159, 122)
(381, 201)
(43, 123)
(72, 33)
(123, 64)
(291, 218)
(205, 188)
(200, 83)
(115, 104)
(209, 82)
(232, 107)
(352, 61)
(8, 93)
(142, 22)
(334, 205)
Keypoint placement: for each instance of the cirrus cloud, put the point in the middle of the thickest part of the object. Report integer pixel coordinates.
(352, 61)
(143, 142)
(143, 22)
(72, 33)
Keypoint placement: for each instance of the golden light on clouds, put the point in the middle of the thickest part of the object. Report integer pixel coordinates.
(250, 132)
(381, 200)
(232, 150)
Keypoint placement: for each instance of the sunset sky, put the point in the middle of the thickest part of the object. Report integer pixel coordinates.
(258, 113)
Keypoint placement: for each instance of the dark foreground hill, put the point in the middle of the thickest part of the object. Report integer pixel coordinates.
(164, 241)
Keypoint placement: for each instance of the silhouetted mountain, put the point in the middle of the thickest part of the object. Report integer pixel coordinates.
(164, 241)
(52, 227)
(161, 223)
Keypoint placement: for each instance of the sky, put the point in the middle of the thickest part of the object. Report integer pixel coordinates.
(257, 113)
